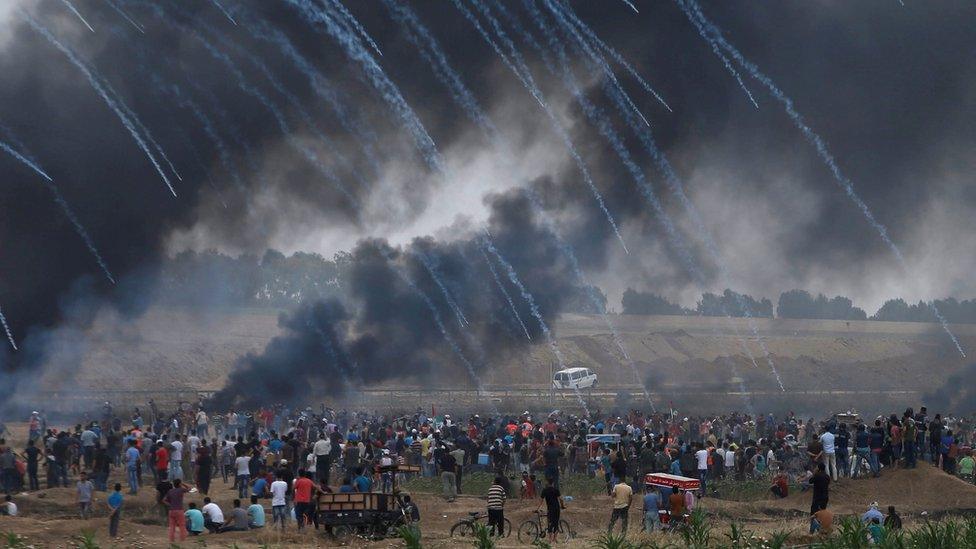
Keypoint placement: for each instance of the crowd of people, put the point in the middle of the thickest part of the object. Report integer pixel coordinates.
(289, 455)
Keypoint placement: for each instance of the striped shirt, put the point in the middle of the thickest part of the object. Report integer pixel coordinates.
(496, 497)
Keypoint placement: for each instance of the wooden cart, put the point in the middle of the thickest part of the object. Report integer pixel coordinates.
(374, 515)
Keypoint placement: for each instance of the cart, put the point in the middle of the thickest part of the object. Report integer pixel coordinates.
(372, 515)
(676, 483)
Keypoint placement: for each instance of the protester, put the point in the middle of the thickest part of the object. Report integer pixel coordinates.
(238, 519)
(213, 516)
(9, 508)
(174, 505)
(892, 521)
(278, 504)
(114, 503)
(554, 504)
(872, 514)
(255, 514)
(195, 521)
(621, 496)
(652, 504)
(83, 491)
(821, 491)
(496, 506)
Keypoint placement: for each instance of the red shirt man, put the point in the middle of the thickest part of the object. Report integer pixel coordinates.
(162, 458)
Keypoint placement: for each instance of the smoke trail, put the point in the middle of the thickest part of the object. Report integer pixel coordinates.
(428, 47)
(24, 160)
(205, 123)
(141, 127)
(436, 314)
(525, 77)
(321, 87)
(617, 57)
(71, 7)
(65, 208)
(300, 109)
(125, 15)
(533, 307)
(498, 282)
(94, 81)
(6, 328)
(279, 117)
(591, 291)
(224, 11)
(700, 25)
(327, 344)
(428, 264)
(603, 64)
(714, 34)
(318, 18)
(627, 109)
(351, 20)
(631, 6)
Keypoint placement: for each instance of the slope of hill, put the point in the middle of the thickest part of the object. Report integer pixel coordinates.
(687, 359)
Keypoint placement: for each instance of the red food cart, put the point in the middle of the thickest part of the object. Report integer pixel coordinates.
(677, 484)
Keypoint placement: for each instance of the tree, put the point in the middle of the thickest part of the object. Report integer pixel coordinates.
(734, 304)
(800, 304)
(646, 303)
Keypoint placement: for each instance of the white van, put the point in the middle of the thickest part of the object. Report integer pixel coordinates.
(574, 378)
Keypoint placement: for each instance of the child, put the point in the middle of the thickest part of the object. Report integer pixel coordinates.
(115, 505)
(528, 486)
(84, 490)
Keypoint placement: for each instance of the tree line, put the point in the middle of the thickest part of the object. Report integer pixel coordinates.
(800, 304)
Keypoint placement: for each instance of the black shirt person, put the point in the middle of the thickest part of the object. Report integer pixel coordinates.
(821, 489)
(554, 503)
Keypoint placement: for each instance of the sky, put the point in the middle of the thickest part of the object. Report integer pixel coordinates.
(267, 152)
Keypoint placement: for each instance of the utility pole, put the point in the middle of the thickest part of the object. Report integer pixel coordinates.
(552, 385)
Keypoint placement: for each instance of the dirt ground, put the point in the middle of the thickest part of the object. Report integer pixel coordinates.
(49, 518)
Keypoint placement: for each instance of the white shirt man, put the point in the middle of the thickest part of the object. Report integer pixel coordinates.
(193, 442)
(213, 513)
(829, 454)
(322, 447)
(278, 490)
(243, 465)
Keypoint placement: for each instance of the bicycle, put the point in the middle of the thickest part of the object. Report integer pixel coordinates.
(464, 528)
(538, 528)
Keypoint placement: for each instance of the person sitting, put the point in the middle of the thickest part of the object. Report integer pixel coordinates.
(213, 517)
(255, 514)
(780, 487)
(872, 514)
(9, 508)
(877, 531)
(238, 519)
(892, 521)
(194, 520)
(347, 486)
(410, 509)
(822, 521)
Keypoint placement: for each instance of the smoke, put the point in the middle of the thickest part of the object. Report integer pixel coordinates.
(390, 324)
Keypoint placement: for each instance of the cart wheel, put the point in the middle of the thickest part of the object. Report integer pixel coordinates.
(462, 529)
(528, 532)
(342, 533)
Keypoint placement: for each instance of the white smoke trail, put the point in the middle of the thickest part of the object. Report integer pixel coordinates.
(125, 15)
(71, 7)
(627, 109)
(631, 6)
(525, 77)
(321, 87)
(6, 328)
(318, 18)
(498, 282)
(417, 33)
(351, 20)
(617, 57)
(65, 208)
(95, 83)
(436, 314)
(533, 307)
(718, 52)
(224, 11)
(432, 271)
(713, 33)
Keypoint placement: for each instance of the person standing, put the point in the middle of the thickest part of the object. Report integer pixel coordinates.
(304, 510)
(652, 503)
(448, 476)
(83, 490)
(204, 468)
(842, 440)
(32, 456)
(115, 509)
(279, 489)
(554, 504)
(174, 506)
(496, 506)
(176, 459)
(821, 492)
(829, 452)
(621, 496)
(701, 456)
(243, 466)
(322, 449)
